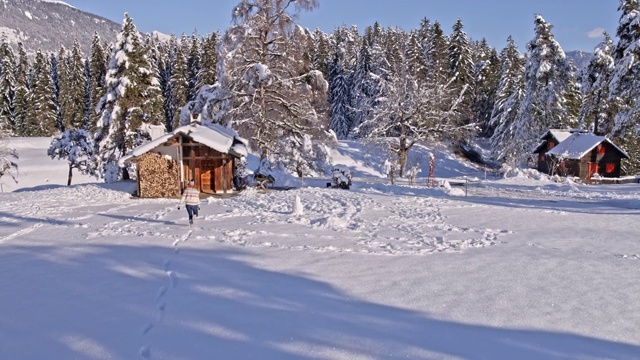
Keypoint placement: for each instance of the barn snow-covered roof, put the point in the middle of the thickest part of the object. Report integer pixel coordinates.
(214, 136)
(559, 135)
(580, 144)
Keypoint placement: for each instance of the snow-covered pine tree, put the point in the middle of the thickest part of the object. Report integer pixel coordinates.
(414, 56)
(132, 99)
(339, 96)
(459, 53)
(193, 67)
(436, 61)
(7, 89)
(485, 80)
(461, 68)
(76, 146)
(98, 62)
(21, 97)
(209, 59)
(596, 111)
(624, 86)
(55, 81)
(573, 97)
(509, 95)
(72, 88)
(87, 108)
(41, 110)
(390, 44)
(161, 56)
(322, 56)
(365, 89)
(259, 70)
(547, 81)
(178, 83)
(350, 40)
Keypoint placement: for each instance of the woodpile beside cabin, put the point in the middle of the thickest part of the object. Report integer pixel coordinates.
(580, 154)
(207, 154)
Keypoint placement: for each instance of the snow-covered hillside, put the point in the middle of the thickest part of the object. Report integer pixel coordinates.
(517, 269)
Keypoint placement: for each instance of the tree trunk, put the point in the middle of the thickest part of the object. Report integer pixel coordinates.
(403, 154)
(70, 175)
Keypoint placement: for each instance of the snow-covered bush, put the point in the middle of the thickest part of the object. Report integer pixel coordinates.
(341, 177)
(8, 162)
(77, 147)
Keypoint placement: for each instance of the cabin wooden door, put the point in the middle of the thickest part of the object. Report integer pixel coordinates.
(207, 176)
(593, 169)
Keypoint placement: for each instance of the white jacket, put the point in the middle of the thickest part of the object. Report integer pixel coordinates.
(191, 196)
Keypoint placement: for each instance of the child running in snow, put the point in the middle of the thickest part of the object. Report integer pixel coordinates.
(191, 199)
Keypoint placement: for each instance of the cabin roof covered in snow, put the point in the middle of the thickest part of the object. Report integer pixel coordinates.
(214, 136)
(580, 144)
(559, 135)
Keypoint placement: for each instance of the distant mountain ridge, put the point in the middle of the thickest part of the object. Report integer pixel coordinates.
(47, 25)
(579, 58)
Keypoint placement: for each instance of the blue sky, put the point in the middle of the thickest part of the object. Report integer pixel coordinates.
(577, 23)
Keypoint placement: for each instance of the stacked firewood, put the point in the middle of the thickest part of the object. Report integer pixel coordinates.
(159, 176)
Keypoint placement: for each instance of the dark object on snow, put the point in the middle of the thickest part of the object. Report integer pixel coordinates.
(340, 177)
(474, 155)
(263, 180)
(240, 182)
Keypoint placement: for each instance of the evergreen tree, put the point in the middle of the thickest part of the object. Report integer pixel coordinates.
(7, 89)
(460, 60)
(22, 92)
(86, 100)
(179, 84)
(596, 110)
(365, 91)
(209, 59)
(55, 80)
(165, 71)
(573, 97)
(98, 70)
(461, 68)
(193, 68)
(41, 110)
(132, 99)
(509, 95)
(547, 83)
(339, 97)
(624, 88)
(436, 60)
(414, 56)
(72, 89)
(485, 80)
(321, 56)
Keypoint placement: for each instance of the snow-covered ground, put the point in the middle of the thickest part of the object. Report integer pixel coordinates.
(517, 269)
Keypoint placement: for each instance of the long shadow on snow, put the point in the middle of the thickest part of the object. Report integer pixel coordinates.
(601, 205)
(22, 219)
(94, 302)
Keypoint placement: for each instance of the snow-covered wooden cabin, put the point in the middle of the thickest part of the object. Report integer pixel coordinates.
(584, 154)
(205, 153)
(548, 141)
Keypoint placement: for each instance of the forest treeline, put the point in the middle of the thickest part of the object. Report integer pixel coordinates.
(292, 92)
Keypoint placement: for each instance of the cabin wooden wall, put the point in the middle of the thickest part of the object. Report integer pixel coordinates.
(211, 170)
